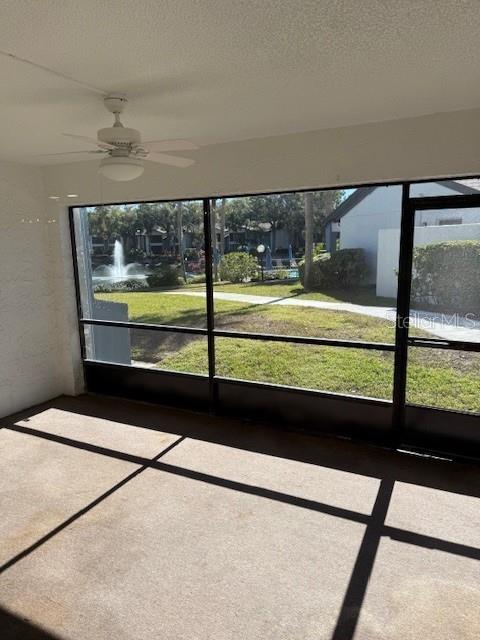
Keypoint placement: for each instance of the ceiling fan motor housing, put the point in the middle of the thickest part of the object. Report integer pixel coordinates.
(121, 136)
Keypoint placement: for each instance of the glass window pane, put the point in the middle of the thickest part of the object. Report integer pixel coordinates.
(142, 262)
(149, 349)
(356, 372)
(320, 264)
(445, 300)
(444, 378)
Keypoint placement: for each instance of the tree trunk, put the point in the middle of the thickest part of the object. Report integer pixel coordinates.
(213, 224)
(273, 237)
(148, 234)
(180, 241)
(222, 228)
(308, 199)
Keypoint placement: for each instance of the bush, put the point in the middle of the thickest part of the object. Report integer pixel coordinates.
(103, 288)
(135, 284)
(197, 279)
(447, 275)
(237, 267)
(126, 285)
(343, 269)
(319, 249)
(137, 254)
(274, 274)
(165, 276)
(192, 254)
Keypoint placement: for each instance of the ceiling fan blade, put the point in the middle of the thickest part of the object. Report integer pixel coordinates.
(67, 153)
(173, 161)
(97, 143)
(169, 145)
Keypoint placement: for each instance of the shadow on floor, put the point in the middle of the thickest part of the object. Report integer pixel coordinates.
(13, 627)
(385, 465)
(321, 450)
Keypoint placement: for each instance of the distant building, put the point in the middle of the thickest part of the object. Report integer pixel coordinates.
(366, 215)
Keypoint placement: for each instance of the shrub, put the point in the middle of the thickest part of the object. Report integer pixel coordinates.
(319, 248)
(165, 276)
(126, 285)
(197, 279)
(103, 288)
(191, 253)
(237, 267)
(447, 275)
(136, 254)
(135, 284)
(275, 274)
(343, 269)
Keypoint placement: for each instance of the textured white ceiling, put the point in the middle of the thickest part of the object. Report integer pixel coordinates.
(230, 69)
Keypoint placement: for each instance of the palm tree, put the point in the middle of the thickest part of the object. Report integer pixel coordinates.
(308, 203)
(222, 227)
(180, 240)
(213, 225)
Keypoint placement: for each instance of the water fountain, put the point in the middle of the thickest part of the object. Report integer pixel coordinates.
(119, 271)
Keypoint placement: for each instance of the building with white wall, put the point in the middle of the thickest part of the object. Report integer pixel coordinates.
(369, 219)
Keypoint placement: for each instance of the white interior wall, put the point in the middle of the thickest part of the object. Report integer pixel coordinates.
(431, 146)
(36, 362)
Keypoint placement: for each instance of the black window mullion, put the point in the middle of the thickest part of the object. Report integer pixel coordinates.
(329, 342)
(144, 326)
(407, 228)
(207, 230)
(438, 343)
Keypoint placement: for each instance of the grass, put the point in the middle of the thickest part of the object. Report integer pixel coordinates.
(440, 379)
(162, 308)
(447, 380)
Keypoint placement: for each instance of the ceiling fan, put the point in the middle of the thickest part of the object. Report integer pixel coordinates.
(123, 149)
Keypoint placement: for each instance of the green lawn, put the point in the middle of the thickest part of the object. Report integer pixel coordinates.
(443, 379)
(181, 310)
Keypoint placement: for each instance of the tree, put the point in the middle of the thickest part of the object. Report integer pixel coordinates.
(112, 223)
(180, 240)
(272, 209)
(308, 199)
(148, 217)
(237, 213)
(213, 239)
(222, 227)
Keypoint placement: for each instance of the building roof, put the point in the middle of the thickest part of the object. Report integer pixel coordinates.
(464, 187)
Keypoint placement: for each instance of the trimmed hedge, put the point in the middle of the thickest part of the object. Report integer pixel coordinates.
(165, 276)
(126, 285)
(237, 267)
(447, 275)
(343, 269)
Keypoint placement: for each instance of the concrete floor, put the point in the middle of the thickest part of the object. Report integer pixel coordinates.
(127, 521)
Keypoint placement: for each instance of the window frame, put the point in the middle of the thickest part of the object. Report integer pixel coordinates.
(403, 341)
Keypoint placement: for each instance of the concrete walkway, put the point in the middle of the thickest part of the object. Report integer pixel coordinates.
(448, 327)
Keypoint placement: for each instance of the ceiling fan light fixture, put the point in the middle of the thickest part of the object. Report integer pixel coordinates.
(121, 169)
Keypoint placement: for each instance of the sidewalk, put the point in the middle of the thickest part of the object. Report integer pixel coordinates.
(435, 323)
